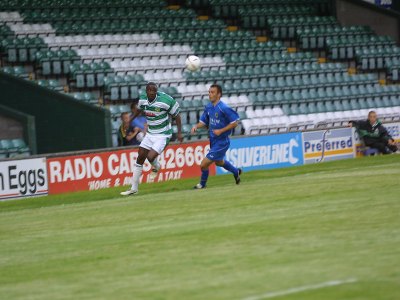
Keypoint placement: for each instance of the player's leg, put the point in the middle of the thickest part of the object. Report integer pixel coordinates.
(159, 144)
(229, 167)
(137, 172)
(155, 165)
(390, 148)
(144, 148)
(377, 145)
(204, 166)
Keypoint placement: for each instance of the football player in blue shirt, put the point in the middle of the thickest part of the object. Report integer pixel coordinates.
(220, 120)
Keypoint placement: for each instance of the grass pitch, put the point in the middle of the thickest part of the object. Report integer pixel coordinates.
(279, 231)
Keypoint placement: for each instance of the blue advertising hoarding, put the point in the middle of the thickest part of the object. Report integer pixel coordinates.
(384, 3)
(265, 152)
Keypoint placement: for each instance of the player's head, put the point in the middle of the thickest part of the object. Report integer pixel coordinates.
(125, 118)
(372, 117)
(151, 90)
(215, 92)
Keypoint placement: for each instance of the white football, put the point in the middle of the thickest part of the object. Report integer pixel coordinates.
(192, 63)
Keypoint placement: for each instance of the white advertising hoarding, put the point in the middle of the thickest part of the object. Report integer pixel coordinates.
(23, 178)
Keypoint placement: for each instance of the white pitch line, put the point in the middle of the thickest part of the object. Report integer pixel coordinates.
(301, 289)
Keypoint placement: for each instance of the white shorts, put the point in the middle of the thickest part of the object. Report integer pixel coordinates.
(155, 142)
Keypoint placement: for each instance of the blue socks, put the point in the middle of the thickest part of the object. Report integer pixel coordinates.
(229, 167)
(204, 177)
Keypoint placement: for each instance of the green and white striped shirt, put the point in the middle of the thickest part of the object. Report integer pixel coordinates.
(157, 113)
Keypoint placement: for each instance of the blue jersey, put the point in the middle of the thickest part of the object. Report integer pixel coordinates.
(139, 122)
(217, 117)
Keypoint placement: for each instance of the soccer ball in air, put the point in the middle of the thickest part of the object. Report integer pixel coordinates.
(192, 63)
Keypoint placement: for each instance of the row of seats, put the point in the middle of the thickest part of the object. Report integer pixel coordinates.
(5, 32)
(231, 8)
(315, 37)
(373, 58)
(307, 121)
(124, 51)
(32, 30)
(107, 40)
(51, 84)
(22, 49)
(393, 68)
(388, 96)
(115, 80)
(304, 71)
(9, 16)
(89, 75)
(277, 59)
(46, 4)
(85, 97)
(56, 62)
(326, 106)
(298, 84)
(13, 148)
(16, 71)
(345, 47)
(122, 26)
(253, 17)
(94, 13)
(167, 77)
(285, 27)
(228, 48)
(146, 64)
(206, 35)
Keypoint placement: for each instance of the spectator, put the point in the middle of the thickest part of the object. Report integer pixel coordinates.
(127, 133)
(374, 134)
(140, 121)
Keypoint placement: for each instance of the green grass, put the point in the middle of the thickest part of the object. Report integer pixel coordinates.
(280, 229)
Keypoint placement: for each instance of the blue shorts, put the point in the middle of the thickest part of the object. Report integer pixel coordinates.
(217, 151)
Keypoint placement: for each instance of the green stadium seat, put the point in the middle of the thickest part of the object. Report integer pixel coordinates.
(21, 147)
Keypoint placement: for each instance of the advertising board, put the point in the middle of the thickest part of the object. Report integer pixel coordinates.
(23, 178)
(326, 145)
(114, 168)
(265, 152)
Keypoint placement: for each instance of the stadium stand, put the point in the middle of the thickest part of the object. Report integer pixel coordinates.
(13, 148)
(103, 53)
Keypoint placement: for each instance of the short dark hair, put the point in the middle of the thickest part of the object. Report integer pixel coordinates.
(152, 83)
(124, 113)
(218, 87)
(371, 112)
(133, 104)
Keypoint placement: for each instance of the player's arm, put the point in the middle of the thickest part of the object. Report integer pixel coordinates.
(203, 122)
(174, 111)
(132, 134)
(386, 136)
(145, 127)
(226, 128)
(179, 127)
(354, 124)
(197, 126)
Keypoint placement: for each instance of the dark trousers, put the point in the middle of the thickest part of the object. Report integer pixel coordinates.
(380, 144)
